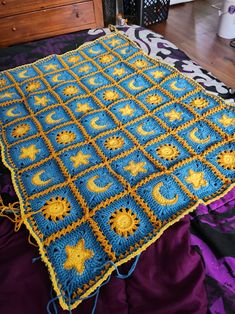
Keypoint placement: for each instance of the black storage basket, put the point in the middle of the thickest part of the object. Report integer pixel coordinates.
(109, 11)
(146, 12)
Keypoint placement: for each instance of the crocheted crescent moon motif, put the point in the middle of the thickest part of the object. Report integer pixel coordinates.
(93, 187)
(10, 112)
(50, 120)
(141, 131)
(196, 139)
(36, 179)
(160, 198)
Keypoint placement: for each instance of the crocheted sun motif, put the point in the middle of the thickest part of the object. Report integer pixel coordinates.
(33, 86)
(124, 222)
(20, 130)
(56, 208)
(107, 148)
(168, 151)
(65, 137)
(114, 142)
(227, 159)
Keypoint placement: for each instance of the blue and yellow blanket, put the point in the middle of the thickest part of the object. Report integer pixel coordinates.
(107, 148)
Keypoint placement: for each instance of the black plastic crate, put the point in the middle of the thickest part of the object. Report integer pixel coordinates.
(109, 11)
(146, 12)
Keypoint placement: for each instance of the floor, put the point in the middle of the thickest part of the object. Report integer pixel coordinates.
(192, 27)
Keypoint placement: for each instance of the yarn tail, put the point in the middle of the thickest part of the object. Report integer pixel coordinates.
(14, 209)
(11, 209)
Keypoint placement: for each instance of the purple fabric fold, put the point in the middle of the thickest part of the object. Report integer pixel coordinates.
(169, 278)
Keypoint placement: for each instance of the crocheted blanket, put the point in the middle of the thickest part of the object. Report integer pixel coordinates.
(107, 148)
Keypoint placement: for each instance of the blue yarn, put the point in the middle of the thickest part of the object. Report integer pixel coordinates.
(96, 300)
(121, 276)
(52, 301)
(96, 294)
(35, 259)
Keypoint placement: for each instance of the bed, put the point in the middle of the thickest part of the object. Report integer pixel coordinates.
(190, 269)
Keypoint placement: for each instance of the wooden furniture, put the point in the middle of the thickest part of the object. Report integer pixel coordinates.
(22, 21)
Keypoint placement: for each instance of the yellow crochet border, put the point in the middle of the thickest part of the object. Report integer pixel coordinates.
(144, 246)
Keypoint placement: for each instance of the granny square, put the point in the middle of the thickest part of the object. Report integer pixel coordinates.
(107, 148)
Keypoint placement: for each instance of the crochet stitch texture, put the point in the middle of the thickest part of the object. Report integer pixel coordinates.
(107, 148)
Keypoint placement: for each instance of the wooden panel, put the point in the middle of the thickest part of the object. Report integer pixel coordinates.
(45, 23)
(98, 13)
(12, 7)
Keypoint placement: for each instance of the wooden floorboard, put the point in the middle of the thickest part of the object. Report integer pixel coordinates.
(192, 27)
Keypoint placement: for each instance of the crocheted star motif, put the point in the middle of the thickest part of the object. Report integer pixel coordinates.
(56, 208)
(29, 152)
(167, 151)
(51, 67)
(33, 86)
(73, 59)
(227, 159)
(119, 72)
(196, 179)
(126, 110)
(162, 200)
(20, 130)
(153, 99)
(200, 103)
(65, 137)
(85, 68)
(114, 42)
(173, 115)
(114, 142)
(135, 167)
(70, 90)
(157, 74)
(106, 59)
(226, 120)
(80, 159)
(3, 82)
(7, 95)
(124, 222)
(83, 108)
(77, 256)
(41, 101)
(110, 95)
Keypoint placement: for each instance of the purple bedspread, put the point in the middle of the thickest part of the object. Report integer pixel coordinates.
(168, 278)
(190, 269)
